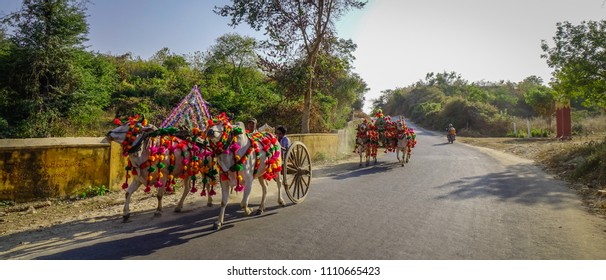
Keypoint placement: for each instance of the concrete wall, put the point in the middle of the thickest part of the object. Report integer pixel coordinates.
(328, 146)
(57, 167)
(62, 167)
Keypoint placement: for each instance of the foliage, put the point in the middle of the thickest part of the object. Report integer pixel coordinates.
(539, 132)
(93, 191)
(578, 60)
(62, 90)
(38, 73)
(293, 28)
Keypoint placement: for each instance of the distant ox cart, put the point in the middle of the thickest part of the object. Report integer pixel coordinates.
(383, 132)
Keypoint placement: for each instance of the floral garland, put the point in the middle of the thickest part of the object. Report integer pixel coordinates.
(373, 142)
(270, 146)
(134, 127)
(197, 162)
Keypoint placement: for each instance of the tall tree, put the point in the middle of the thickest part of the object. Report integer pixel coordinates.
(292, 26)
(579, 61)
(48, 34)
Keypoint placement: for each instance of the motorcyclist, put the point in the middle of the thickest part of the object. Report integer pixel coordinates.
(451, 133)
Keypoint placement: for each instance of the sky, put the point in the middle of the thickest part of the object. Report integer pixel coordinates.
(399, 41)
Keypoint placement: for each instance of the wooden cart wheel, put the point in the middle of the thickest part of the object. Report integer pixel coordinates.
(297, 172)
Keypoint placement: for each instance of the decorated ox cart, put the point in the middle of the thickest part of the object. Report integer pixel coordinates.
(191, 144)
(383, 132)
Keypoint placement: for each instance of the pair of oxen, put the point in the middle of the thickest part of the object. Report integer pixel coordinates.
(156, 157)
(393, 136)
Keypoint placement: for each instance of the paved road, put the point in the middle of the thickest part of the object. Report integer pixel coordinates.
(452, 201)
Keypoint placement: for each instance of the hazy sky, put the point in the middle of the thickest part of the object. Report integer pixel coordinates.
(399, 41)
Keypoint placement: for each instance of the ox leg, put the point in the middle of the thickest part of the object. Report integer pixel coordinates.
(279, 183)
(263, 196)
(209, 198)
(248, 180)
(360, 153)
(408, 153)
(186, 189)
(159, 196)
(134, 185)
(224, 199)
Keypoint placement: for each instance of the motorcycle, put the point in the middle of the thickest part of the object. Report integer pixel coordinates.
(451, 138)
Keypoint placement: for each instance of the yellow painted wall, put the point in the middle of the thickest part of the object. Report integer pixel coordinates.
(321, 146)
(54, 167)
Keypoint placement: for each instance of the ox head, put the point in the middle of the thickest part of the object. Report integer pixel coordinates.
(363, 127)
(401, 124)
(217, 128)
(130, 132)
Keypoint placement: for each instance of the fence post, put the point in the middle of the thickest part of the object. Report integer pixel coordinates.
(528, 128)
(515, 131)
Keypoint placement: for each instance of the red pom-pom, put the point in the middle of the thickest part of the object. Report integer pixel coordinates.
(124, 186)
(224, 177)
(117, 121)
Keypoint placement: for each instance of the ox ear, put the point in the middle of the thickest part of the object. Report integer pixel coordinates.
(148, 128)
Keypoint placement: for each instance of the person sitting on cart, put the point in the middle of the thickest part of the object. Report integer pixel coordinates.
(251, 125)
(284, 141)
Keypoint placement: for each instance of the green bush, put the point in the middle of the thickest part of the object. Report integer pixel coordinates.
(93, 191)
(519, 134)
(539, 132)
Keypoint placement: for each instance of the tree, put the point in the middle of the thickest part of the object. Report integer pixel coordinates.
(48, 35)
(292, 27)
(234, 53)
(579, 61)
(233, 80)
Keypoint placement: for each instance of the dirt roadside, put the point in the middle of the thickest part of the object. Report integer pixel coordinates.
(38, 216)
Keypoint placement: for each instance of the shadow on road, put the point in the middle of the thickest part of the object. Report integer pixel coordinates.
(174, 229)
(520, 183)
(441, 144)
(353, 169)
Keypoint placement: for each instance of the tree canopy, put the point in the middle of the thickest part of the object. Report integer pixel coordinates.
(37, 71)
(50, 86)
(578, 58)
(294, 28)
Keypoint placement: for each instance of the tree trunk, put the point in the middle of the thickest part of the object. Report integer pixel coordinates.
(307, 107)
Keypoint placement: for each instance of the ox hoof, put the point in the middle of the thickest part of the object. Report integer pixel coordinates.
(217, 226)
(210, 204)
(259, 212)
(125, 218)
(177, 210)
(157, 214)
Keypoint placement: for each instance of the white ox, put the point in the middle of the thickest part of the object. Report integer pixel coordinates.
(362, 139)
(232, 147)
(402, 141)
(139, 155)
